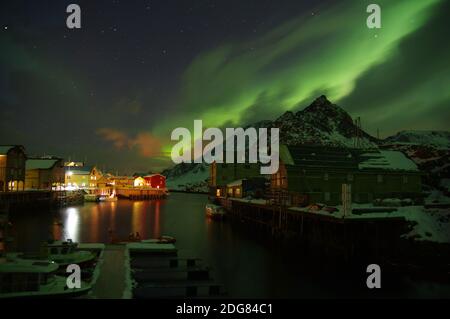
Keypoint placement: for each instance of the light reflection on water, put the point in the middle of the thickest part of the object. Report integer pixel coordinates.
(249, 265)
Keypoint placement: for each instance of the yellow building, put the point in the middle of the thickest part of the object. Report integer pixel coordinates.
(12, 168)
(44, 173)
(85, 177)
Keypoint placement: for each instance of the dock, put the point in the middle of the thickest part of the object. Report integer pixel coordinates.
(150, 270)
(328, 234)
(111, 282)
(143, 193)
(19, 200)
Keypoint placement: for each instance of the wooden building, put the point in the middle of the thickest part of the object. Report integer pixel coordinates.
(84, 177)
(254, 187)
(12, 168)
(155, 181)
(44, 173)
(315, 174)
(124, 181)
(225, 173)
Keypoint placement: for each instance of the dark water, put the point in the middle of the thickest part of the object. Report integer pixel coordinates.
(249, 264)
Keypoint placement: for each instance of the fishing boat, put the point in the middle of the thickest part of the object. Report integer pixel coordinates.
(63, 253)
(215, 211)
(66, 252)
(27, 278)
(108, 198)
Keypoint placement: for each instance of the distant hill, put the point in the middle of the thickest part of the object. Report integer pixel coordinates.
(435, 139)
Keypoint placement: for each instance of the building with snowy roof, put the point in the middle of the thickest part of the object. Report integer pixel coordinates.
(315, 174)
(44, 173)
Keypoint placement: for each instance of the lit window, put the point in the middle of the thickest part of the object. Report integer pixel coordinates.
(218, 192)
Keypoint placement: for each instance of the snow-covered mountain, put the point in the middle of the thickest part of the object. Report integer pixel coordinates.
(436, 139)
(321, 123)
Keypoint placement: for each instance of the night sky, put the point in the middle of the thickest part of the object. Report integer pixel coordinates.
(112, 92)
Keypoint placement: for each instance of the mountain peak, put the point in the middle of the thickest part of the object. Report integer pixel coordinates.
(320, 103)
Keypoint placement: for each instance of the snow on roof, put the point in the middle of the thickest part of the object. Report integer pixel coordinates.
(38, 163)
(85, 170)
(235, 183)
(386, 160)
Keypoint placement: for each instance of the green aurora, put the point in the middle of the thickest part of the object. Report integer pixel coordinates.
(322, 53)
(395, 78)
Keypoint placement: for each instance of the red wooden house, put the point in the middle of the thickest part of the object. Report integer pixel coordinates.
(155, 181)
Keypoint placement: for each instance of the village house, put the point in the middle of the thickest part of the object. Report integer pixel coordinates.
(44, 173)
(84, 177)
(241, 188)
(315, 174)
(12, 168)
(150, 180)
(155, 181)
(222, 174)
(126, 181)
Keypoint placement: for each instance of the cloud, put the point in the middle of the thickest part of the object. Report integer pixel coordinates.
(147, 144)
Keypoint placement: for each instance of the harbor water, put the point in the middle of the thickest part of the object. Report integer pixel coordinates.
(247, 263)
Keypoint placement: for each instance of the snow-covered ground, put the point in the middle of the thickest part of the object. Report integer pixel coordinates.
(436, 139)
(427, 224)
(195, 180)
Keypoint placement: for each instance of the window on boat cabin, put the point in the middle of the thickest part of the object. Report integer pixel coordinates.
(405, 179)
(238, 191)
(53, 250)
(379, 178)
(350, 177)
(64, 250)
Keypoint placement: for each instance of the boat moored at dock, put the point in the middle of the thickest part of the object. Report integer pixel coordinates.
(28, 278)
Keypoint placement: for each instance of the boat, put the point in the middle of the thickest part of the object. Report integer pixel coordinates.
(66, 252)
(91, 198)
(160, 240)
(63, 253)
(28, 278)
(215, 211)
(108, 198)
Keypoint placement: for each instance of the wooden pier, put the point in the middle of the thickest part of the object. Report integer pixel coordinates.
(319, 233)
(111, 281)
(41, 199)
(141, 193)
